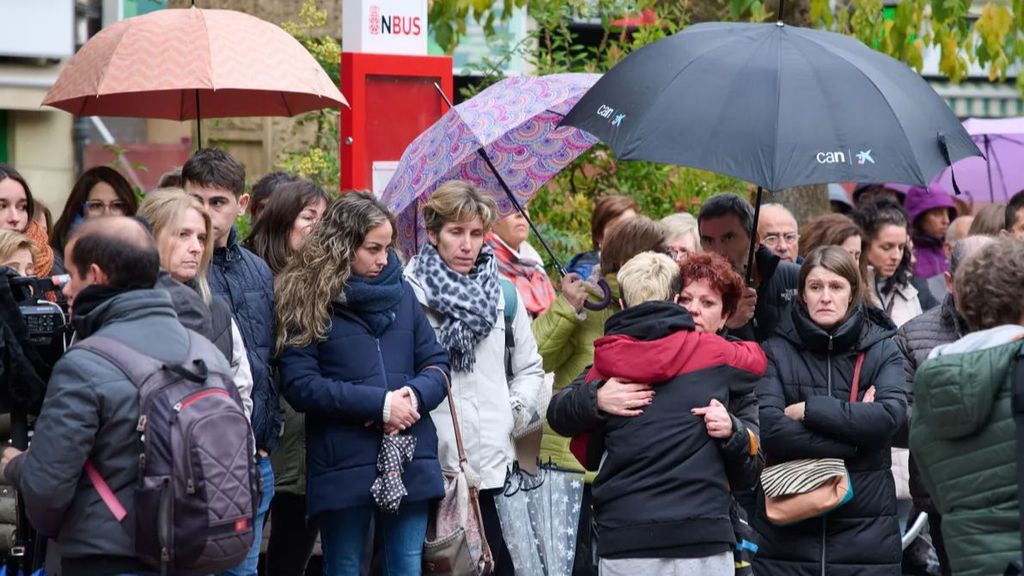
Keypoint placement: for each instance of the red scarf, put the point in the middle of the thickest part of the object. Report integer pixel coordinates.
(531, 281)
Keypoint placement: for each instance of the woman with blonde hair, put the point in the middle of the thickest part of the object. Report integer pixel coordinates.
(455, 277)
(358, 357)
(17, 252)
(183, 233)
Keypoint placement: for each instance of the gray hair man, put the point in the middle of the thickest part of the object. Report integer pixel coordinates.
(777, 230)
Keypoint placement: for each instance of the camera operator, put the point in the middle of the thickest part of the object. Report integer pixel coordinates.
(91, 408)
(17, 254)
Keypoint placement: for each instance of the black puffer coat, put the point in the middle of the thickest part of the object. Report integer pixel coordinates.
(807, 364)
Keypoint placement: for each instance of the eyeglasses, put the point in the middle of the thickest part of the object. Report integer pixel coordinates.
(772, 240)
(99, 208)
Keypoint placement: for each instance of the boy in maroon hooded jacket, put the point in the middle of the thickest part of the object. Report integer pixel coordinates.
(662, 497)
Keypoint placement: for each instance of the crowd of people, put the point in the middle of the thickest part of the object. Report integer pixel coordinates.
(883, 336)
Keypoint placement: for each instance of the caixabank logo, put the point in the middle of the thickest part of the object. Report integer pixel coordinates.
(394, 24)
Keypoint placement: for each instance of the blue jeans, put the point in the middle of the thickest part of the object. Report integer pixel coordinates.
(252, 561)
(343, 532)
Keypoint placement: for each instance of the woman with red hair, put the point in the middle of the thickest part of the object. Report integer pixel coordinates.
(711, 290)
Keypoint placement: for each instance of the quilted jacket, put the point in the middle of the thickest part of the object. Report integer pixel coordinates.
(245, 283)
(808, 364)
(565, 340)
(963, 437)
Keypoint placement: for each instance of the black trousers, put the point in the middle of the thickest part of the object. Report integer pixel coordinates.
(292, 536)
(492, 530)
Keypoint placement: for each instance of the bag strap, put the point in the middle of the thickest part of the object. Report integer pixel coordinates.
(511, 295)
(855, 387)
(474, 492)
(455, 417)
(106, 494)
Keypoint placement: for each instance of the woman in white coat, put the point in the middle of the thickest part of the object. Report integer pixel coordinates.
(455, 277)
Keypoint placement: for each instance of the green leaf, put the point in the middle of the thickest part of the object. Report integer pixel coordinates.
(443, 36)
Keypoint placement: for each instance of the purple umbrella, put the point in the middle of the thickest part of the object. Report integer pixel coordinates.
(515, 124)
(997, 176)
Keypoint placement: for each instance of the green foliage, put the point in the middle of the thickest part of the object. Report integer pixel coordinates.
(995, 41)
(319, 161)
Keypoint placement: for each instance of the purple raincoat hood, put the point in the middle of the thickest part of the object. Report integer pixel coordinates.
(921, 200)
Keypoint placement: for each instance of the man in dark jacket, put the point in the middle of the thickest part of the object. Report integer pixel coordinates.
(244, 281)
(650, 460)
(916, 339)
(91, 408)
(726, 224)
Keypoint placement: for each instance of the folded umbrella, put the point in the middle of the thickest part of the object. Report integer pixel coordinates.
(388, 489)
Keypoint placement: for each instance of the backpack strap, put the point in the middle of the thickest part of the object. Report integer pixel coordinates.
(135, 365)
(511, 295)
(106, 494)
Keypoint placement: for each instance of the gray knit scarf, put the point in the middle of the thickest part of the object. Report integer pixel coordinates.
(468, 303)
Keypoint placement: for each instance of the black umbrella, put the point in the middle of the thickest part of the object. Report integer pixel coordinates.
(776, 105)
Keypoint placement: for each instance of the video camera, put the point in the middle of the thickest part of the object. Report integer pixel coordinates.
(46, 321)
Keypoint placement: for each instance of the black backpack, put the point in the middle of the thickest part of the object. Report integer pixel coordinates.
(197, 492)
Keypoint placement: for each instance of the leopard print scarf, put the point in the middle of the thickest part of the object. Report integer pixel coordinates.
(468, 303)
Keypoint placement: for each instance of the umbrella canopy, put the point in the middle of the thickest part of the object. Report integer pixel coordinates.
(515, 121)
(997, 176)
(180, 64)
(776, 105)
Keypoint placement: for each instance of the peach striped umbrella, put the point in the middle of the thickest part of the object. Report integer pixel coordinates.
(181, 64)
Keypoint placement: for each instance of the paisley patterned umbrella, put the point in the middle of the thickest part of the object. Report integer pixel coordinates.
(515, 122)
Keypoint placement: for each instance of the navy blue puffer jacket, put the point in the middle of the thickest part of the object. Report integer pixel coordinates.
(245, 283)
(341, 384)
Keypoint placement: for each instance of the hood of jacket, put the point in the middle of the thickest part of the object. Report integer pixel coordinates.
(920, 200)
(130, 305)
(964, 379)
(655, 342)
(931, 256)
(650, 342)
(866, 326)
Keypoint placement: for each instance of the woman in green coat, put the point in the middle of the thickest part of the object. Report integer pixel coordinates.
(565, 334)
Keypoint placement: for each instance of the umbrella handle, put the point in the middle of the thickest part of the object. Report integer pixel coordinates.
(606, 297)
(753, 239)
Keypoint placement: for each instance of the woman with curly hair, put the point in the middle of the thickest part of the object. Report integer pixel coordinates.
(359, 358)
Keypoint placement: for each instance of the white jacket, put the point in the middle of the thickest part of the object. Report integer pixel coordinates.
(483, 398)
(902, 304)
